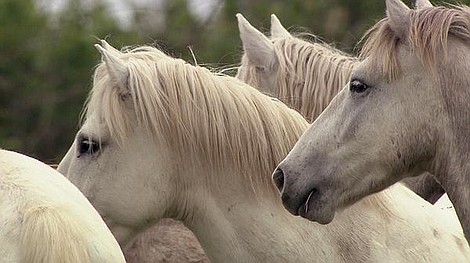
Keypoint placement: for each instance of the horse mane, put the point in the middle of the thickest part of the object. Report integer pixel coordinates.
(427, 36)
(46, 227)
(310, 73)
(212, 117)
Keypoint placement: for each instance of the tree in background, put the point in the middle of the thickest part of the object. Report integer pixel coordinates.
(21, 29)
(45, 70)
(46, 59)
(68, 58)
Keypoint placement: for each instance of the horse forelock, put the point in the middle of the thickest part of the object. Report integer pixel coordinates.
(214, 118)
(427, 37)
(106, 104)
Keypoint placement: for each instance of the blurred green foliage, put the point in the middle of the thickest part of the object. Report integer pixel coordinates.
(47, 59)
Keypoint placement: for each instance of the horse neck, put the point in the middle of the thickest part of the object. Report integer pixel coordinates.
(451, 165)
(452, 169)
(455, 179)
(234, 225)
(331, 70)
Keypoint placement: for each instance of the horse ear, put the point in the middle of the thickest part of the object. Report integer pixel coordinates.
(421, 4)
(257, 47)
(117, 69)
(398, 15)
(277, 29)
(109, 48)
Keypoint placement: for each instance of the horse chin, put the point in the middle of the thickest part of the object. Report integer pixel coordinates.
(317, 210)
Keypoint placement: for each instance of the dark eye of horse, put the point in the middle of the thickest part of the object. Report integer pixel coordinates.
(259, 68)
(87, 146)
(357, 86)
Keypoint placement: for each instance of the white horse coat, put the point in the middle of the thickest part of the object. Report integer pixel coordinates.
(45, 219)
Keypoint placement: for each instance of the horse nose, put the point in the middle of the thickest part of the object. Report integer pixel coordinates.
(278, 178)
(291, 196)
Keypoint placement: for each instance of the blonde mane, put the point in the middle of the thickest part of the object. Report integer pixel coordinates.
(427, 36)
(310, 74)
(213, 118)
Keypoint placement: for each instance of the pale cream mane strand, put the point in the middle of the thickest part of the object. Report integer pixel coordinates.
(310, 74)
(427, 36)
(213, 118)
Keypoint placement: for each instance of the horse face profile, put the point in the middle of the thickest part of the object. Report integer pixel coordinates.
(403, 112)
(107, 163)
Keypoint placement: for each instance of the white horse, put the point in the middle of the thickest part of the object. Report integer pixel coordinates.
(404, 112)
(44, 218)
(162, 138)
(306, 76)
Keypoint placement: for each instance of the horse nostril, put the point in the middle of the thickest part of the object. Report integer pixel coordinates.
(278, 178)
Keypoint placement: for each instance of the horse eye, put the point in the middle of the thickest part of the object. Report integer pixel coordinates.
(87, 146)
(259, 68)
(357, 86)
